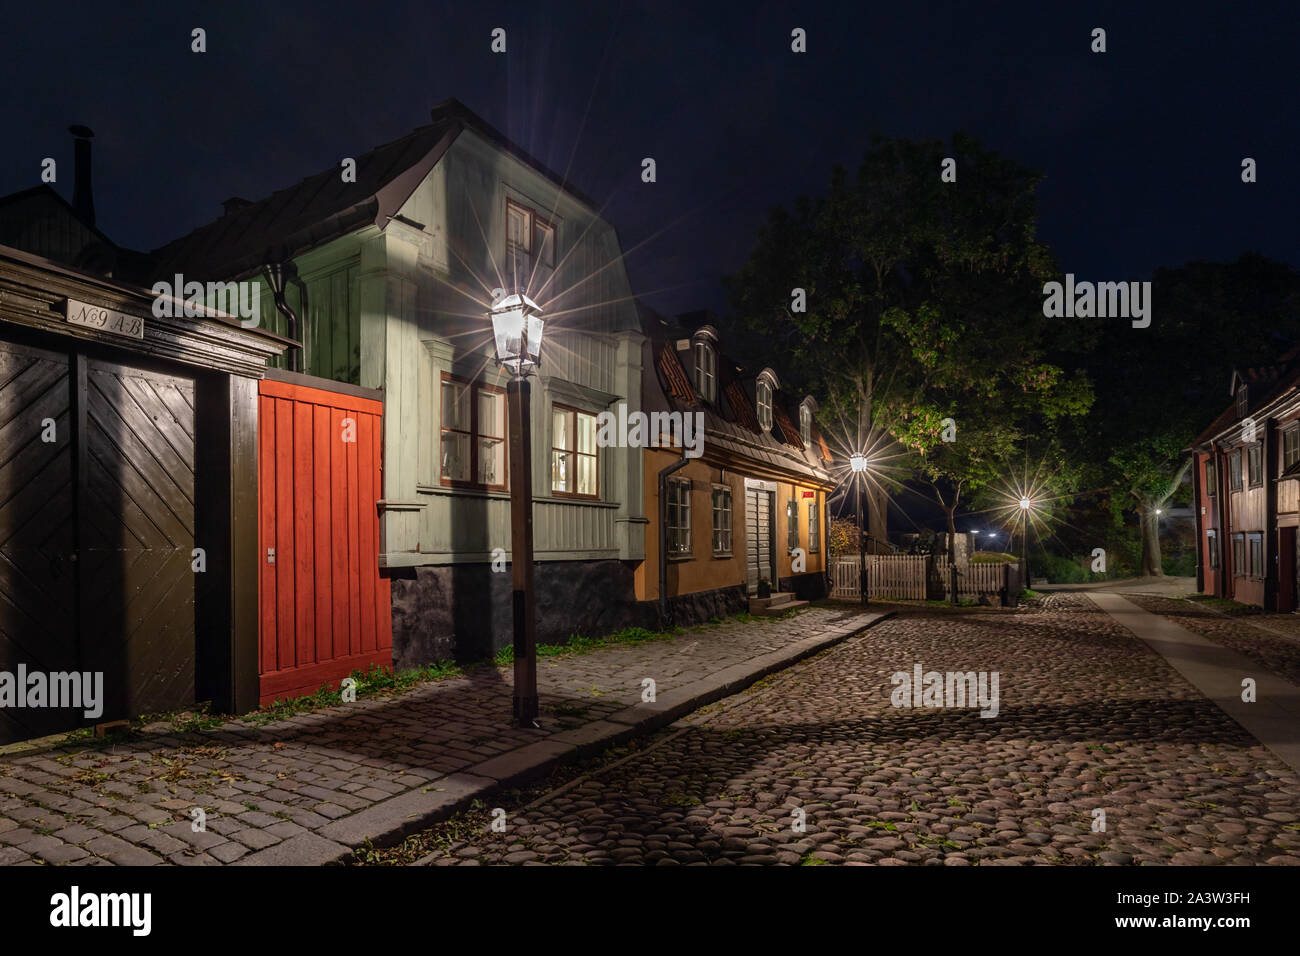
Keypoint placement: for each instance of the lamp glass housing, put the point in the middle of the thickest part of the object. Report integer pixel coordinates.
(517, 328)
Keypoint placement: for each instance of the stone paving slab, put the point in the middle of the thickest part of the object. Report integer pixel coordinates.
(1217, 672)
(308, 789)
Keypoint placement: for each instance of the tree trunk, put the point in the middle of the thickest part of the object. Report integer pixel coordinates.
(1151, 563)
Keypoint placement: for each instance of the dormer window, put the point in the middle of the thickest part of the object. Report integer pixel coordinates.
(763, 398)
(805, 421)
(706, 369)
(1241, 401)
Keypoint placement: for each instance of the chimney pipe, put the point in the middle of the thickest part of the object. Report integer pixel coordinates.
(83, 197)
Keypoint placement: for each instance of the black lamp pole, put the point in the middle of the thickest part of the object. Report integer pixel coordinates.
(521, 556)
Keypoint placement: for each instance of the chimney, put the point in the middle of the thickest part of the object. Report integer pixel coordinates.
(234, 204)
(83, 197)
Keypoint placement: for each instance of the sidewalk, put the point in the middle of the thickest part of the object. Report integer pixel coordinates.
(1217, 672)
(308, 789)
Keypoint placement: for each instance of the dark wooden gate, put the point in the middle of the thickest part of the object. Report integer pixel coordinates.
(37, 528)
(97, 516)
(137, 537)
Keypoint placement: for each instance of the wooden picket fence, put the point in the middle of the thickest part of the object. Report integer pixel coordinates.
(914, 577)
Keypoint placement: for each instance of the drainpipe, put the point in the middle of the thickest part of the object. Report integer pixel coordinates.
(665, 611)
(275, 279)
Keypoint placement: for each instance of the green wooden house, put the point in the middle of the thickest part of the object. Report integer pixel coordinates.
(389, 274)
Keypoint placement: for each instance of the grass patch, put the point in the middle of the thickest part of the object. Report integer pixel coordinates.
(1224, 605)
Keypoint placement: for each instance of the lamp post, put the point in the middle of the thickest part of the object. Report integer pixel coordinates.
(1024, 539)
(858, 462)
(517, 328)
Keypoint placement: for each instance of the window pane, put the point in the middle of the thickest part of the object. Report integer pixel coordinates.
(491, 461)
(561, 470)
(455, 456)
(491, 414)
(560, 434)
(455, 406)
(545, 245)
(517, 231)
(586, 434)
(586, 484)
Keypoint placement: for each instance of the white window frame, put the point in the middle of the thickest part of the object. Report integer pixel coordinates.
(706, 369)
(792, 524)
(723, 541)
(763, 404)
(805, 424)
(678, 532)
(814, 527)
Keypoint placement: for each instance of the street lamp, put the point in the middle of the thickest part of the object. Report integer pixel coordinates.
(858, 463)
(1024, 539)
(517, 328)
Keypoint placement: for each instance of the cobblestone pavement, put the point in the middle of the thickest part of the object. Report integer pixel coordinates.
(130, 802)
(1273, 640)
(1089, 719)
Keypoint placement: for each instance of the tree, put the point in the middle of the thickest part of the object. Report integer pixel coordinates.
(1158, 388)
(923, 298)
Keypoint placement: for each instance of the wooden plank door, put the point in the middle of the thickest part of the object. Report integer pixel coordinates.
(37, 570)
(136, 533)
(325, 609)
(758, 538)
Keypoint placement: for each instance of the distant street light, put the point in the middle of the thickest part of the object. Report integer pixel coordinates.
(517, 328)
(858, 462)
(1024, 537)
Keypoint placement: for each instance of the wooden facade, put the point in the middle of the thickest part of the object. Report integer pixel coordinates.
(1246, 480)
(127, 493)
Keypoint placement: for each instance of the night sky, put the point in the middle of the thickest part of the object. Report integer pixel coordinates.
(1141, 145)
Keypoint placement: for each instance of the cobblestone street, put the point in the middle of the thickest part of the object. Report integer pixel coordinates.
(305, 789)
(1089, 719)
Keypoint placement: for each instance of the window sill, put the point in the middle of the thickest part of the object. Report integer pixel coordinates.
(681, 557)
(723, 555)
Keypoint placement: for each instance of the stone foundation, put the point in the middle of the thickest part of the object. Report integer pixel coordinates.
(462, 612)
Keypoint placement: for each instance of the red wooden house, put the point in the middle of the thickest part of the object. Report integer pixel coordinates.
(1246, 472)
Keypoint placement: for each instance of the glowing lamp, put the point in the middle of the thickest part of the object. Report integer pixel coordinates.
(517, 327)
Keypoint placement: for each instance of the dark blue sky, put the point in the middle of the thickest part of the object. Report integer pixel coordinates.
(1141, 146)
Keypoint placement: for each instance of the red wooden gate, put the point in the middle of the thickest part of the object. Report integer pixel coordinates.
(325, 608)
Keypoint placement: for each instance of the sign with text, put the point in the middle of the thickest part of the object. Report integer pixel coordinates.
(105, 320)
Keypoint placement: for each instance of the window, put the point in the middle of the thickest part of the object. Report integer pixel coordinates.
(1211, 479)
(721, 521)
(1234, 471)
(814, 528)
(575, 459)
(530, 244)
(473, 434)
(1239, 555)
(1256, 543)
(1212, 548)
(1256, 458)
(679, 516)
(706, 370)
(792, 524)
(763, 394)
(1290, 445)
(805, 423)
(1241, 401)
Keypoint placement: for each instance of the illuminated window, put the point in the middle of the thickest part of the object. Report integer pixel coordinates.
(473, 446)
(575, 459)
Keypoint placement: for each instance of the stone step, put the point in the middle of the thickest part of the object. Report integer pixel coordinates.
(779, 599)
(785, 606)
